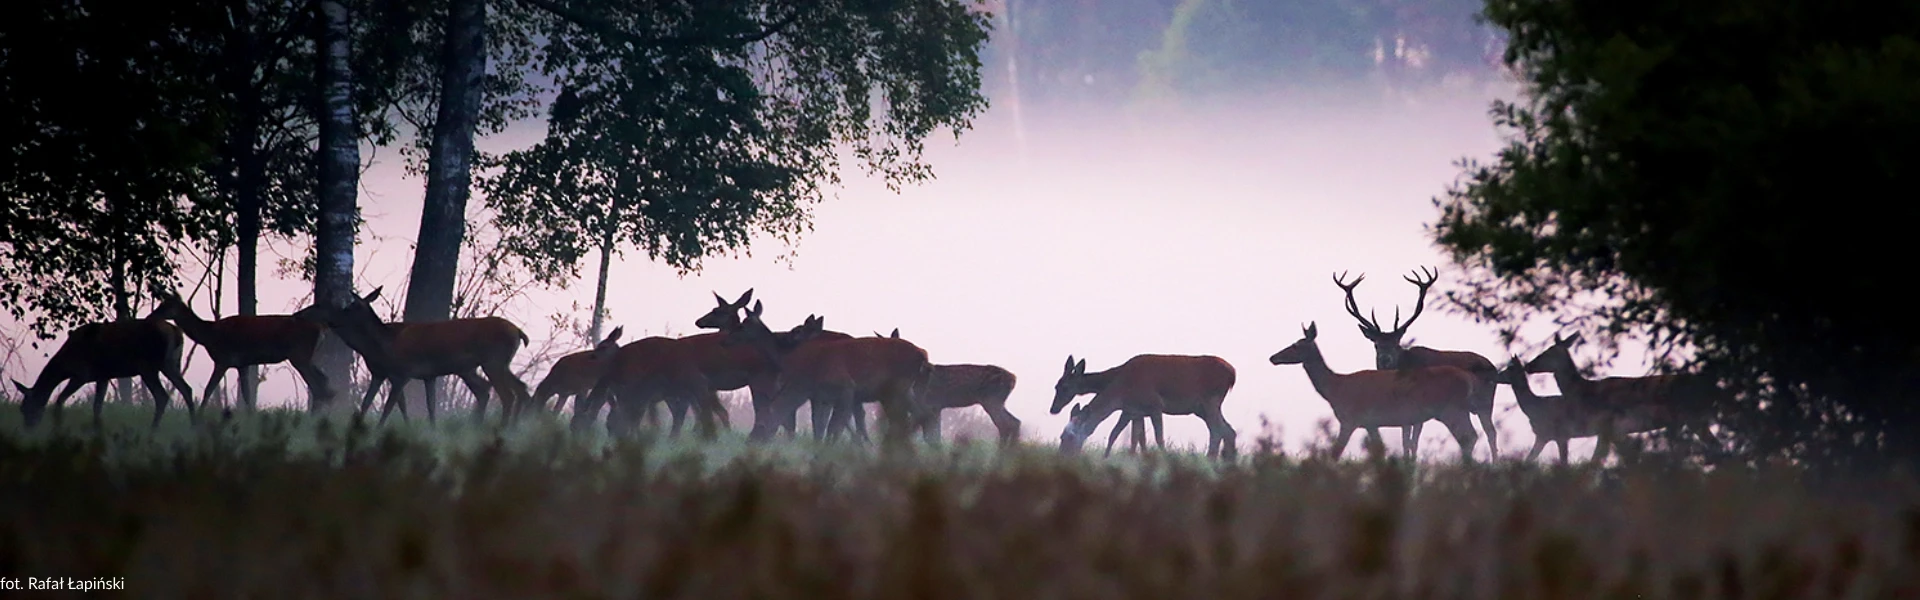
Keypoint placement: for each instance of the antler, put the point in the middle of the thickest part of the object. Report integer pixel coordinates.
(1422, 279)
(1369, 327)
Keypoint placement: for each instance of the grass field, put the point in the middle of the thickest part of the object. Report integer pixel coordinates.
(285, 505)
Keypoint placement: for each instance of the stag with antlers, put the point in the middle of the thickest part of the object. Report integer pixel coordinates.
(400, 352)
(846, 372)
(1401, 398)
(98, 353)
(1148, 385)
(1391, 354)
(242, 341)
(574, 374)
(1650, 402)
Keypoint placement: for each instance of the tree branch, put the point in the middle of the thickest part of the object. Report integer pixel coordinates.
(634, 42)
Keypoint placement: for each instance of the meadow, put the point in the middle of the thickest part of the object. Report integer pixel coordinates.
(291, 505)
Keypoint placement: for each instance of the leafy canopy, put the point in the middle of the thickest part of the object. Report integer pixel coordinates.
(1727, 175)
(684, 130)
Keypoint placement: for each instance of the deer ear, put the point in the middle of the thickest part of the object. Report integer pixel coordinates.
(1574, 339)
(755, 311)
(1074, 413)
(1069, 367)
(743, 298)
(896, 333)
(1080, 367)
(372, 295)
(615, 335)
(22, 387)
(718, 300)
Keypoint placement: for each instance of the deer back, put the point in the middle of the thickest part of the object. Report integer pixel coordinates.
(1178, 379)
(115, 349)
(1399, 397)
(443, 347)
(864, 363)
(1471, 362)
(954, 386)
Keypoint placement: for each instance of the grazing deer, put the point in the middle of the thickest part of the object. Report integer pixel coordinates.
(772, 414)
(98, 353)
(575, 374)
(1389, 354)
(400, 352)
(1644, 403)
(1148, 385)
(1387, 398)
(845, 372)
(247, 340)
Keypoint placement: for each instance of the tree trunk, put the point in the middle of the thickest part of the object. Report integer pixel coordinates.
(247, 202)
(600, 287)
(339, 174)
(122, 303)
(443, 218)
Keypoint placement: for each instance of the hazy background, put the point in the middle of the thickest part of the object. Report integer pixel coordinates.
(1076, 218)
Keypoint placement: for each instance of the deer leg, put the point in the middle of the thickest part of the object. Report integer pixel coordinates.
(152, 382)
(1118, 427)
(1219, 427)
(396, 396)
(1538, 445)
(1138, 436)
(172, 374)
(832, 399)
(1159, 431)
(99, 401)
(478, 386)
(1410, 440)
(513, 391)
(930, 426)
(1493, 435)
(1003, 421)
(213, 386)
(59, 405)
(319, 388)
(1562, 443)
(896, 417)
(1340, 440)
(710, 412)
(1461, 426)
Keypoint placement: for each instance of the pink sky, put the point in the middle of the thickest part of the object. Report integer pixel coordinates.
(1105, 235)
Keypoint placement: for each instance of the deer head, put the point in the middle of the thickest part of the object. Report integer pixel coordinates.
(725, 315)
(1514, 373)
(1079, 427)
(1073, 382)
(1301, 351)
(1387, 344)
(171, 307)
(755, 333)
(356, 312)
(896, 334)
(1555, 357)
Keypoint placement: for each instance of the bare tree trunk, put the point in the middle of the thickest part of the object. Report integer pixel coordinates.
(436, 257)
(600, 287)
(339, 174)
(247, 202)
(122, 303)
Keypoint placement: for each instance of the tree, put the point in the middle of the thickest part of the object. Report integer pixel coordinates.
(337, 166)
(684, 134)
(1710, 175)
(107, 129)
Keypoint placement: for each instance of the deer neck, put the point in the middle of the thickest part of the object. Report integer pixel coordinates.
(1098, 381)
(1322, 376)
(373, 341)
(1572, 385)
(195, 327)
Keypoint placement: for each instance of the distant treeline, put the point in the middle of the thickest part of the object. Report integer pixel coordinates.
(1103, 50)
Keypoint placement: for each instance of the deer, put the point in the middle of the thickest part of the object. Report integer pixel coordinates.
(1645, 403)
(961, 386)
(893, 372)
(574, 374)
(1390, 354)
(400, 352)
(101, 352)
(1377, 398)
(241, 341)
(1148, 386)
(1554, 419)
(773, 414)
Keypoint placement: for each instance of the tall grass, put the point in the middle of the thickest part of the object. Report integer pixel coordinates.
(287, 505)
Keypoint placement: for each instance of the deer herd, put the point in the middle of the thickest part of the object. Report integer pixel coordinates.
(837, 375)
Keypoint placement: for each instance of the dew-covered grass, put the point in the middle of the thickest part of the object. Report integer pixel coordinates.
(291, 505)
